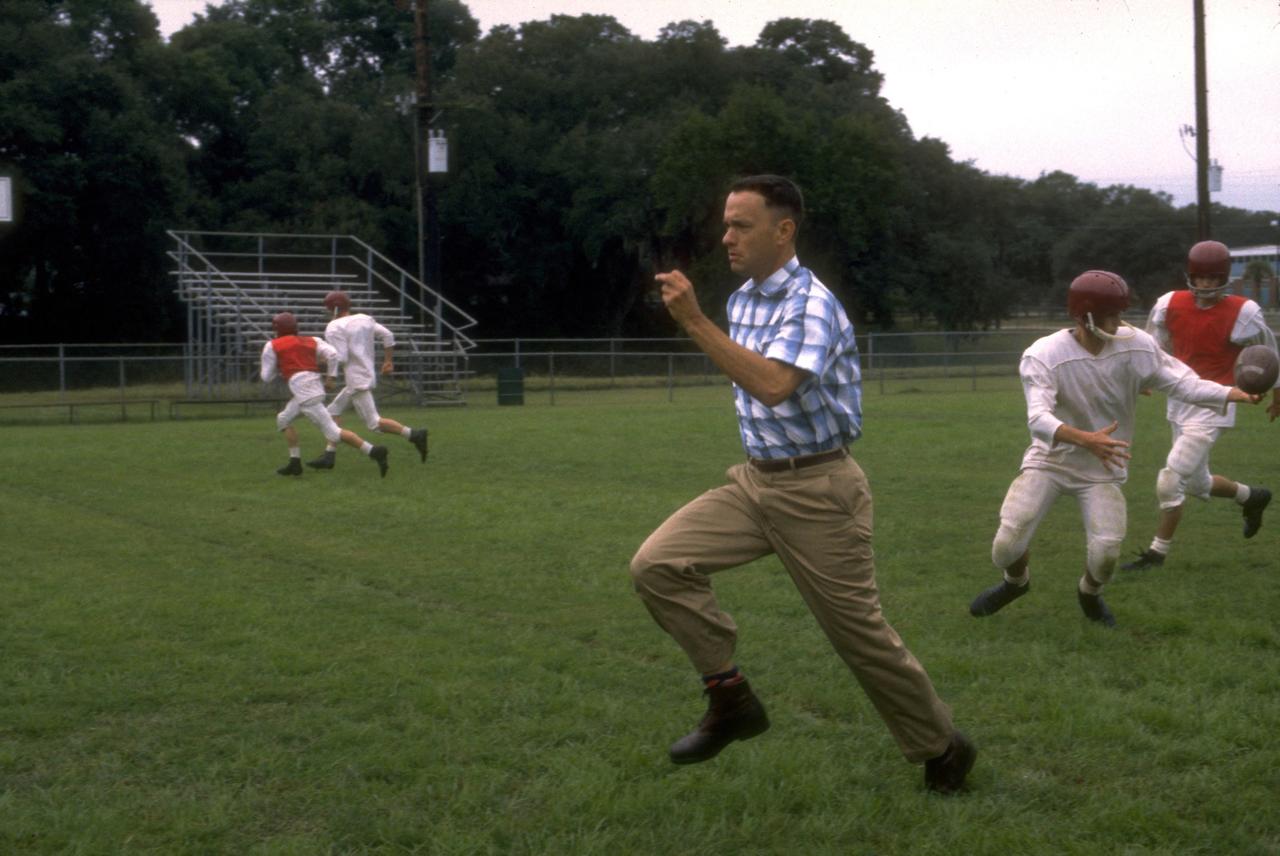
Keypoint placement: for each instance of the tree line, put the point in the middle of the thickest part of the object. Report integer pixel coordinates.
(583, 158)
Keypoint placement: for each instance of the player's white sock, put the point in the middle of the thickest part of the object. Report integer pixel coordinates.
(1018, 581)
(1242, 493)
(366, 446)
(295, 452)
(1087, 586)
(1161, 546)
(331, 447)
(405, 432)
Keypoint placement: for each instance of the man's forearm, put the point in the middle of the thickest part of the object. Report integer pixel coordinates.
(764, 379)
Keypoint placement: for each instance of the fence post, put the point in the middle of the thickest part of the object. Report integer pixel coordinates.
(551, 372)
(973, 387)
(671, 378)
(613, 373)
(122, 378)
(62, 371)
(517, 341)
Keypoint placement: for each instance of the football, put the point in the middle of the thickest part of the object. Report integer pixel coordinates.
(1256, 369)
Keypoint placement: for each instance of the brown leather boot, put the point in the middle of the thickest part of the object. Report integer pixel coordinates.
(733, 713)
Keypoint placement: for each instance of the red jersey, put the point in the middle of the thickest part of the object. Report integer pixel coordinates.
(1202, 337)
(295, 354)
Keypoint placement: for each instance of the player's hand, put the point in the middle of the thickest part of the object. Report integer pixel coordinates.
(388, 366)
(679, 297)
(1144, 392)
(1241, 397)
(329, 384)
(1273, 409)
(1112, 452)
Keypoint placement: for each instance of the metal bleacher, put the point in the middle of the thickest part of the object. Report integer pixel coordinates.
(233, 283)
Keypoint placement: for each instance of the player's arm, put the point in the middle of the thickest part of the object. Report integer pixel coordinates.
(768, 381)
(388, 340)
(269, 364)
(327, 356)
(336, 338)
(1100, 443)
(1156, 325)
(1251, 329)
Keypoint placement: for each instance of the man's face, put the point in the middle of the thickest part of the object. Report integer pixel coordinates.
(1107, 323)
(754, 236)
(1205, 297)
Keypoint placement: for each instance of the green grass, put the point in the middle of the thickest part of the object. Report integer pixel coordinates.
(202, 657)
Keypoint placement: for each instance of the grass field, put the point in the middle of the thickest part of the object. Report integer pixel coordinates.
(201, 657)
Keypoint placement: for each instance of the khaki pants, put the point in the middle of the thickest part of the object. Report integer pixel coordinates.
(818, 521)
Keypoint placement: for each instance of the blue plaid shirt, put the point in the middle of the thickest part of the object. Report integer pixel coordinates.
(793, 318)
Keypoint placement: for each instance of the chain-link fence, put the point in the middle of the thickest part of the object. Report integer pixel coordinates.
(37, 381)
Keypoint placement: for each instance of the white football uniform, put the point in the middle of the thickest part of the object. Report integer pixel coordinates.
(1065, 384)
(308, 392)
(1250, 329)
(354, 338)
(1196, 429)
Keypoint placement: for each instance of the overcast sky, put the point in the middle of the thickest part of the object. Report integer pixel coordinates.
(1096, 88)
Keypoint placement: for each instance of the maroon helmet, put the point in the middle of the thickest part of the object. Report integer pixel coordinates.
(1210, 259)
(285, 324)
(1097, 293)
(337, 302)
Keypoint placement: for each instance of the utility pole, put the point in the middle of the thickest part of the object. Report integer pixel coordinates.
(428, 223)
(1202, 129)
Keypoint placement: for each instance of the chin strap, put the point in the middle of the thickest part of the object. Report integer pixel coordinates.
(1120, 333)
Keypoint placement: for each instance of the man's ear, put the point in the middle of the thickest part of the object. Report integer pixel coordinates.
(786, 230)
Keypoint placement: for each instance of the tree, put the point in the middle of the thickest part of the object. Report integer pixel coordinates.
(99, 174)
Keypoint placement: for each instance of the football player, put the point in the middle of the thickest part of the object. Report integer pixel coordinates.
(353, 336)
(1081, 386)
(1206, 328)
(297, 359)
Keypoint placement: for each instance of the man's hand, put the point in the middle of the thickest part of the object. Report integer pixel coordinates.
(329, 383)
(1239, 396)
(388, 366)
(1104, 447)
(1273, 409)
(679, 298)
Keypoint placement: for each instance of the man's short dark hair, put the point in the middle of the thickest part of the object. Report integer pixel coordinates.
(778, 192)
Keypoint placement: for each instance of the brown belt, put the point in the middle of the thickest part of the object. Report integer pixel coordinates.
(775, 465)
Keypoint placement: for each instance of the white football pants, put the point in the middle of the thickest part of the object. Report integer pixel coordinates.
(1186, 470)
(1031, 496)
(313, 409)
(362, 401)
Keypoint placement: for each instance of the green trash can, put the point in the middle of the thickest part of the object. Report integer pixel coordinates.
(511, 385)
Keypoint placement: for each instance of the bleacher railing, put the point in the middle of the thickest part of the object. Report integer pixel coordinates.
(234, 282)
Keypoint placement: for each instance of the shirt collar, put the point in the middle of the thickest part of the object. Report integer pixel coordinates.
(774, 283)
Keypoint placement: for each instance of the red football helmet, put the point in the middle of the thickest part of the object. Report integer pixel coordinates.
(1209, 259)
(1096, 293)
(285, 324)
(337, 302)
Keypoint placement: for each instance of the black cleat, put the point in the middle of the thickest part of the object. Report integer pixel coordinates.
(733, 713)
(1095, 609)
(1259, 499)
(379, 454)
(324, 462)
(418, 437)
(996, 598)
(293, 468)
(1146, 559)
(945, 774)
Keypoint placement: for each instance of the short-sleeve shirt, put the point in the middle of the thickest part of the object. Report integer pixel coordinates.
(792, 317)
